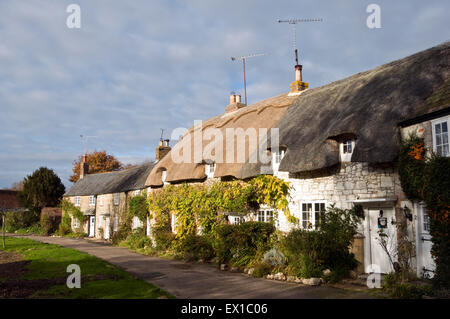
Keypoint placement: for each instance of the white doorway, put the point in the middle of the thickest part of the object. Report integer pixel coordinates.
(380, 219)
(91, 226)
(425, 262)
(107, 226)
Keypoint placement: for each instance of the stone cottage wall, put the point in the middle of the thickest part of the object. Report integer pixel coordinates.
(340, 185)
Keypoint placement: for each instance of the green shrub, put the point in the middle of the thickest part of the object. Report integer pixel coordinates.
(34, 229)
(261, 269)
(195, 247)
(310, 252)
(65, 225)
(138, 239)
(20, 220)
(163, 239)
(274, 257)
(48, 224)
(243, 244)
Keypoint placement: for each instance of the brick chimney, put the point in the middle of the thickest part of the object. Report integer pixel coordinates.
(162, 149)
(235, 103)
(84, 169)
(298, 85)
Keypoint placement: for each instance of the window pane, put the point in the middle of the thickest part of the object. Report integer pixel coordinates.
(445, 150)
(437, 128)
(444, 127)
(349, 150)
(438, 139)
(439, 150)
(444, 138)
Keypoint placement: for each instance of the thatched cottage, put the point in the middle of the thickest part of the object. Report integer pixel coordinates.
(335, 144)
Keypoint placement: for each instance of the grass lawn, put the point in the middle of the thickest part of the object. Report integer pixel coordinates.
(30, 269)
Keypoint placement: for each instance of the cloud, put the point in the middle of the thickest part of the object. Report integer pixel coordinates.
(137, 66)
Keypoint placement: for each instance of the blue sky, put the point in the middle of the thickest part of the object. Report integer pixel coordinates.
(137, 66)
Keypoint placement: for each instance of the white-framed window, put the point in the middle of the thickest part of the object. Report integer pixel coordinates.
(265, 215)
(164, 176)
(276, 159)
(137, 192)
(116, 223)
(311, 213)
(100, 200)
(76, 223)
(210, 169)
(77, 200)
(236, 220)
(173, 223)
(116, 199)
(135, 222)
(440, 136)
(426, 221)
(92, 200)
(346, 149)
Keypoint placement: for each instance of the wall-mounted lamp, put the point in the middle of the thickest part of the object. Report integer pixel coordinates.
(407, 213)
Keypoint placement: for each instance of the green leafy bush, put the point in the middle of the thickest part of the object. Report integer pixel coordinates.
(20, 220)
(310, 252)
(274, 257)
(244, 243)
(195, 247)
(163, 239)
(428, 179)
(261, 269)
(65, 225)
(138, 239)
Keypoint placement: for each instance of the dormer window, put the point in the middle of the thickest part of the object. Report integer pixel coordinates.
(277, 156)
(346, 149)
(210, 168)
(164, 176)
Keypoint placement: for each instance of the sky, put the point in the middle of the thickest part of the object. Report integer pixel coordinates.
(134, 67)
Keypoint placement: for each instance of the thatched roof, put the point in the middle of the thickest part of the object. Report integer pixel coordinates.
(112, 182)
(264, 114)
(368, 106)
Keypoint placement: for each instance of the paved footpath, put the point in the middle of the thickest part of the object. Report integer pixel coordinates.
(194, 281)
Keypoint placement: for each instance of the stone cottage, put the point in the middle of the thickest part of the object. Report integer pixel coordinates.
(104, 198)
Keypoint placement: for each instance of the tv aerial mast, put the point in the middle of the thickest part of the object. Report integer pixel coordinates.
(243, 59)
(85, 139)
(294, 22)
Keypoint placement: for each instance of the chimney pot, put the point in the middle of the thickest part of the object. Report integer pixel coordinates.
(232, 98)
(238, 98)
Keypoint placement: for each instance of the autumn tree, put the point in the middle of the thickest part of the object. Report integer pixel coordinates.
(99, 162)
(40, 189)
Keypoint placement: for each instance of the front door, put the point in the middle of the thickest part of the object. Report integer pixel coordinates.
(380, 221)
(91, 226)
(107, 226)
(425, 262)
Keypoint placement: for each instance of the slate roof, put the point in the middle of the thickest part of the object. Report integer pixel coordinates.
(112, 182)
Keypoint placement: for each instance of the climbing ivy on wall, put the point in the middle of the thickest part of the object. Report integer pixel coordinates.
(72, 210)
(138, 206)
(428, 180)
(200, 206)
